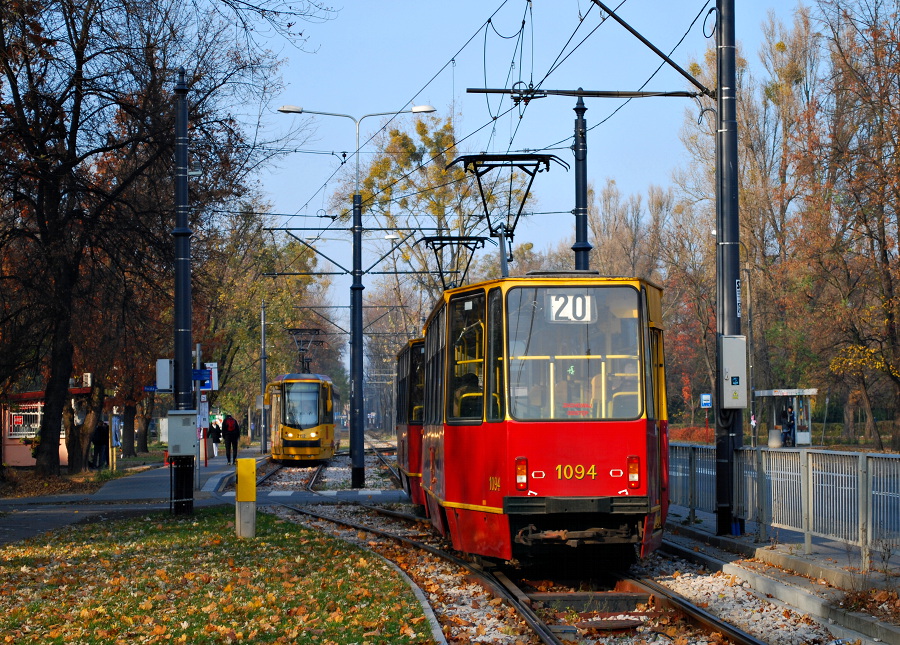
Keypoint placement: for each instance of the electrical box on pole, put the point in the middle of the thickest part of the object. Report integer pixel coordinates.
(182, 433)
(165, 375)
(733, 350)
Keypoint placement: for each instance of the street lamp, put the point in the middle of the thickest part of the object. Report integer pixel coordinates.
(357, 412)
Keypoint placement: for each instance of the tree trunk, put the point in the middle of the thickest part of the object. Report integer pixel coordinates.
(849, 432)
(55, 395)
(78, 437)
(61, 353)
(128, 430)
(142, 422)
(871, 432)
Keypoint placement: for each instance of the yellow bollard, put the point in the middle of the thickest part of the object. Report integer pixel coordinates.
(245, 499)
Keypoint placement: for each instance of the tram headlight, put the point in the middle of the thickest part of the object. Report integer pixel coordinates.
(634, 472)
(313, 434)
(521, 473)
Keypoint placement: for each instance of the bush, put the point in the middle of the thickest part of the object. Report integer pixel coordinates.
(692, 434)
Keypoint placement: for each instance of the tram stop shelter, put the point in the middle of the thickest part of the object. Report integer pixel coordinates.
(784, 431)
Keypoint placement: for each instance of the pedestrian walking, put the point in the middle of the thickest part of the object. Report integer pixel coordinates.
(100, 441)
(231, 432)
(215, 433)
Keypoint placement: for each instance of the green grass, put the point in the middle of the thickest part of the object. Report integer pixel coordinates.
(191, 580)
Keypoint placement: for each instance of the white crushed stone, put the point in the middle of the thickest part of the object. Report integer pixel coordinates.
(467, 612)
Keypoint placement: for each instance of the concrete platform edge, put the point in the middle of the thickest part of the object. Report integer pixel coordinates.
(787, 593)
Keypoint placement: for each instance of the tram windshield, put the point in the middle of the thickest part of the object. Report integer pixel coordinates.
(301, 405)
(574, 353)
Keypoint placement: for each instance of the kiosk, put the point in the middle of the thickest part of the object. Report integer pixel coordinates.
(791, 423)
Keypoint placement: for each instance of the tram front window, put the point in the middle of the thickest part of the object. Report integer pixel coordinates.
(574, 353)
(301, 405)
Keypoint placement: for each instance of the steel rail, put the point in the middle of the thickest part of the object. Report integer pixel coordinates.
(260, 480)
(697, 615)
(541, 629)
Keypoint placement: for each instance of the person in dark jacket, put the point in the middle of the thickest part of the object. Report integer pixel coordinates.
(100, 441)
(231, 432)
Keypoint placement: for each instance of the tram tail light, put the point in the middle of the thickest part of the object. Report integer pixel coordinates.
(521, 473)
(634, 472)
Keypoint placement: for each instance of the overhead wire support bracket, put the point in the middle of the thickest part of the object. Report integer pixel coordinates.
(693, 81)
(438, 242)
(526, 95)
(529, 163)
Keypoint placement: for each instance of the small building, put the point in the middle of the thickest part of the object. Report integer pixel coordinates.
(20, 422)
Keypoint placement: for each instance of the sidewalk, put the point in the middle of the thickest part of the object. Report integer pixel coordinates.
(147, 490)
(151, 490)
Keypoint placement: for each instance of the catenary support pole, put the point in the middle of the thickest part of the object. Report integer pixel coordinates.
(357, 411)
(729, 433)
(183, 466)
(263, 421)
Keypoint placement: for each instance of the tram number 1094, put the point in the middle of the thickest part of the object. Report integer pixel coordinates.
(569, 307)
(578, 471)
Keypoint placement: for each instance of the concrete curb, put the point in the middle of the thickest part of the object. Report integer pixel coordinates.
(783, 590)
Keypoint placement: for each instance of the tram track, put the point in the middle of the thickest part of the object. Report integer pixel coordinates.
(630, 605)
(538, 627)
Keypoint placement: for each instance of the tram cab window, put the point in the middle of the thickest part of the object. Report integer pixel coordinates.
(466, 326)
(574, 353)
(301, 405)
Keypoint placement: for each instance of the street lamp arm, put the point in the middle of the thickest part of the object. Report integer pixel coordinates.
(357, 402)
(296, 109)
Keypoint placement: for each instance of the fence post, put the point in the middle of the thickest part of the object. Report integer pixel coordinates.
(865, 516)
(762, 498)
(805, 501)
(692, 484)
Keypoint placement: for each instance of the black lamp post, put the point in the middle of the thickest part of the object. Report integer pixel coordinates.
(581, 247)
(357, 407)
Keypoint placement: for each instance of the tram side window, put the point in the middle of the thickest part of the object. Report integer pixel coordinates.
(495, 411)
(466, 357)
(402, 384)
(416, 383)
(328, 402)
(434, 368)
(275, 419)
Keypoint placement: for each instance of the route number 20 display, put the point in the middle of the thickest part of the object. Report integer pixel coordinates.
(570, 307)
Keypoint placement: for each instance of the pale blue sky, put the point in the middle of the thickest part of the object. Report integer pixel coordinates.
(386, 56)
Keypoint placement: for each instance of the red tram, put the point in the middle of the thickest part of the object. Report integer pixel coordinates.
(410, 406)
(545, 416)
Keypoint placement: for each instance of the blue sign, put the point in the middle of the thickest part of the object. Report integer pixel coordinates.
(149, 388)
(201, 375)
(706, 400)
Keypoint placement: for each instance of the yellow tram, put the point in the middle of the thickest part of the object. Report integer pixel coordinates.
(301, 417)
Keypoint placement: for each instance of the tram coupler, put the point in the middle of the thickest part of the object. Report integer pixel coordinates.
(245, 498)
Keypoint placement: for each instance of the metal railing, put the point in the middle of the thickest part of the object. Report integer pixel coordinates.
(852, 498)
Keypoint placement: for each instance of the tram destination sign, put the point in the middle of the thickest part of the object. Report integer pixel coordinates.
(570, 306)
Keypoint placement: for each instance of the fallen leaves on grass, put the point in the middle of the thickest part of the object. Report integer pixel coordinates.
(190, 580)
(25, 483)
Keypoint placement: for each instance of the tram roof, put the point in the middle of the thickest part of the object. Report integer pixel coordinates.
(303, 377)
(535, 276)
(540, 276)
